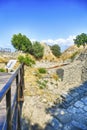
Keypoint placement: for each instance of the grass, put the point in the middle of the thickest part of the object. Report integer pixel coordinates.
(42, 84)
(55, 76)
(2, 70)
(42, 70)
(73, 55)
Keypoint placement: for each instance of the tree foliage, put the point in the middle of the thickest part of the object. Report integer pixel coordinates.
(37, 50)
(56, 50)
(81, 40)
(26, 60)
(21, 42)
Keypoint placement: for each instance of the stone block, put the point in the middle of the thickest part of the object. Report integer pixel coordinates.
(64, 118)
(79, 104)
(55, 124)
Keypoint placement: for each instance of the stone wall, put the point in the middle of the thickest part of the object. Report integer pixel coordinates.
(73, 73)
(84, 72)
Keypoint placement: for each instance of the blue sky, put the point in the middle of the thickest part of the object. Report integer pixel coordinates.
(51, 21)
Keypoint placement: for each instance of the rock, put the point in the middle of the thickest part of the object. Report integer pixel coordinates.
(55, 124)
(72, 73)
(84, 72)
(64, 118)
(79, 125)
(44, 100)
(79, 104)
(60, 73)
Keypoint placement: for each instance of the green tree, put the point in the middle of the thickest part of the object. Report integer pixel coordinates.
(21, 42)
(81, 40)
(56, 50)
(26, 60)
(37, 50)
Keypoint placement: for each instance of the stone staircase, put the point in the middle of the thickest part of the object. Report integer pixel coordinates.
(71, 114)
(74, 95)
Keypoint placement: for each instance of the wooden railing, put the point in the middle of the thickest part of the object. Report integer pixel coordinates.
(13, 110)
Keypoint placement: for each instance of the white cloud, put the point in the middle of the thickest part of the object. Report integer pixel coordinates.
(33, 40)
(63, 43)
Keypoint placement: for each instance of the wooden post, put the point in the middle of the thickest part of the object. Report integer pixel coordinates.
(8, 108)
(21, 84)
(18, 103)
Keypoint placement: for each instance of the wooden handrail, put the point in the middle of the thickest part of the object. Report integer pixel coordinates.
(8, 84)
(18, 98)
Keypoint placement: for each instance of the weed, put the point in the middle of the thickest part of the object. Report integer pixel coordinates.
(42, 70)
(2, 70)
(42, 84)
(55, 76)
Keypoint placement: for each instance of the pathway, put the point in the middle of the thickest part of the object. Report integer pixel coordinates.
(71, 114)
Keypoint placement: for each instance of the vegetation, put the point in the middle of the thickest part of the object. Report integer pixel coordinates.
(74, 55)
(26, 60)
(2, 70)
(55, 76)
(42, 84)
(37, 50)
(42, 70)
(56, 50)
(21, 42)
(81, 40)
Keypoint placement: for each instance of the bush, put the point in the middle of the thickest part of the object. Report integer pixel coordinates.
(37, 50)
(26, 60)
(42, 84)
(2, 70)
(42, 70)
(56, 50)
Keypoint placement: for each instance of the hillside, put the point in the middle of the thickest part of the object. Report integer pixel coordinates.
(48, 55)
(72, 50)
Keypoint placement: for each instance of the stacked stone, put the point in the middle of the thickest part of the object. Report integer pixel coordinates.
(73, 115)
(84, 71)
(74, 95)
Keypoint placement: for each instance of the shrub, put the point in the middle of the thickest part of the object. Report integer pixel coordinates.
(42, 70)
(2, 70)
(56, 50)
(37, 50)
(42, 84)
(26, 60)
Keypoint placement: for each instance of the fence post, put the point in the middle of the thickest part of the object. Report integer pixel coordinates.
(8, 108)
(23, 76)
(18, 105)
(21, 84)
